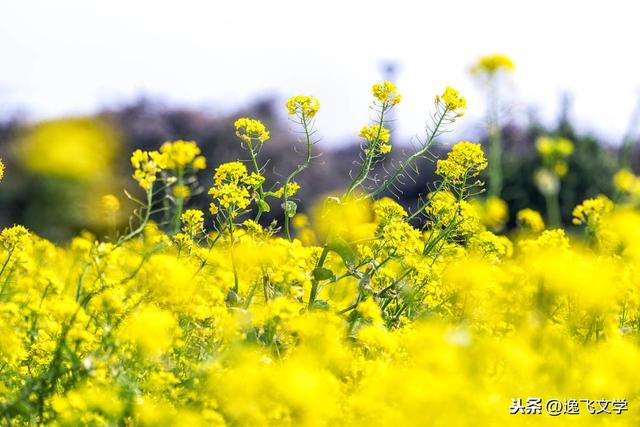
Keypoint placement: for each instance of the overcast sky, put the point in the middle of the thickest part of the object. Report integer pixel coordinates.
(72, 56)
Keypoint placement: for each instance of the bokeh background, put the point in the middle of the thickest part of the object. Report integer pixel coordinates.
(83, 84)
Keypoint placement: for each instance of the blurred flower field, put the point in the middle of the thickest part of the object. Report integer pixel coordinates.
(357, 311)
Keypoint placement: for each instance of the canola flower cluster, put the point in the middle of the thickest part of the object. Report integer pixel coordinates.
(492, 64)
(368, 315)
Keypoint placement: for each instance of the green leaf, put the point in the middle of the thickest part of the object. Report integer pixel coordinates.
(321, 273)
(264, 206)
(342, 248)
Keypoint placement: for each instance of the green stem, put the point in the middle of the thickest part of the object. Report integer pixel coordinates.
(314, 282)
(495, 161)
(175, 225)
(6, 262)
(553, 209)
(495, 146)
(297, 171)
(254, 162)
(236, 287)
(368, 161)
(144, 221)
(405, 164)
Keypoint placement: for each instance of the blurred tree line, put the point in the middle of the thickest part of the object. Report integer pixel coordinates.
(58, 205)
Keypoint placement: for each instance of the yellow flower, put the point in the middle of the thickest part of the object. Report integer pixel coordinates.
(531, 220)
(303, 105)
(554, 147)
(401, 237)
(200, 163)
(192, 221)
(555, 239)
(387, 209)
(370, 310)
(147, 165)
(445, 210)
(488, 244)
(229, 172)
(560, 168)
(14, 238)
(591, 211)
(494, 212)
(627, 182)
(386, 93)
(300, 221)
(292, 189)
(182, 241)
(490, 64)
(465, 160)
(252, 227)
(232, 184)
(254, 180)
(73, 148)
(180, 154)
(385, 148)
(152, 329)
(375, 133)
(452, 99)
(181, 191)
(1, 170)
(110, 203)
(251, 129)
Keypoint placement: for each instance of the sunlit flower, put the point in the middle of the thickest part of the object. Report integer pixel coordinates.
(249, 130)
(303, 105)
(491, 64)
(465, 161)
(453, 100)
(386, 93)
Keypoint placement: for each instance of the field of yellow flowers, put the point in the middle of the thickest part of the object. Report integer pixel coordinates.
(358, 312)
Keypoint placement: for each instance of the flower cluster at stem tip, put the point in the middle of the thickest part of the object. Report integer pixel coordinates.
(491, 64)
(249, 130)
(386, 93)
(303, 105)
(453, 100)
(147, 165)
(465, 160)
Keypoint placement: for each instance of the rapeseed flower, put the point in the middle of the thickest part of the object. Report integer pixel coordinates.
(249, 130)
(465, 160)
(229, 322)
(386, 93)
(180, 154)
(531, 220)
(453, 100)
(303, 105)
(491, 64)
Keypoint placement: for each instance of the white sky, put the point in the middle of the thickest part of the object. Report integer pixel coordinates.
(71, 56)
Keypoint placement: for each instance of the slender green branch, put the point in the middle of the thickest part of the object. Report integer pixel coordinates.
(254, 162)
(143, 222)
(297, 171)
(370, 154)
(411, 159)
(314, 282)
(175, 225)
